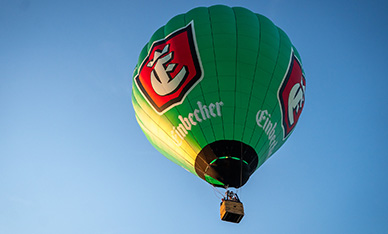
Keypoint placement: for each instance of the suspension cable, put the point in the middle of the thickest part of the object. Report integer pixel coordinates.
(215, 190)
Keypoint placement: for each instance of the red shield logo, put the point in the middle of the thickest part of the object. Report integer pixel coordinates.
(291, 95)
(171, 70)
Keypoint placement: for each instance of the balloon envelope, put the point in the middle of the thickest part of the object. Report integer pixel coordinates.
(217, 91)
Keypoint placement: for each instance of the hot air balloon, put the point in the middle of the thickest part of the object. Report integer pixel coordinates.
(217, 91)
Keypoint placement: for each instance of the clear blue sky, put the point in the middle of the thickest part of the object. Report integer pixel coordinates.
(74, 161)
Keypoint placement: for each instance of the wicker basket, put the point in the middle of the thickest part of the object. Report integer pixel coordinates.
(231, 211)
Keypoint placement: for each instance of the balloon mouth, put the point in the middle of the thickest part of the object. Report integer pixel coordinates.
(226, 163)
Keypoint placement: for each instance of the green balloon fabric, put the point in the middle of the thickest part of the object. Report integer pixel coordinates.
(218, 90)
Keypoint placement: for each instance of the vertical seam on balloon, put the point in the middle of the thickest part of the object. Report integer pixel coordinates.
(253, 81)
(265, 96)
(191, 106)
(235, 75)
(216, 71)
(273, 72)
(281, 35)
(254, 75)
(177, 109)
(255, 126)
